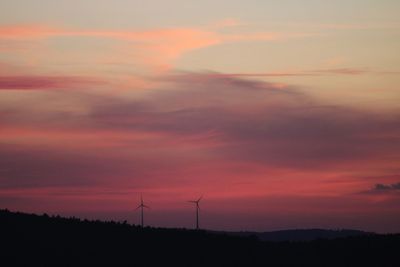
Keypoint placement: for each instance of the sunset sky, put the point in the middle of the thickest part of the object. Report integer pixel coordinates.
(283, 114)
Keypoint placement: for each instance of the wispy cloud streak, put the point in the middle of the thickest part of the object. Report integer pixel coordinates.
(47, 82)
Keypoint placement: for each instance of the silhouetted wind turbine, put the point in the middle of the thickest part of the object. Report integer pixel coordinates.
(197, 210)
(141, 206)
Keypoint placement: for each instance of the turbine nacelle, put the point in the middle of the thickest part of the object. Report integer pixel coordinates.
(196, 201)
(142, 206)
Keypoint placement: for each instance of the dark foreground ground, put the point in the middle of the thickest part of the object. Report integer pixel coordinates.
(32, 240)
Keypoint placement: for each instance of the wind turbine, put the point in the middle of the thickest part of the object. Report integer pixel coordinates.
(141, 206)
(197, 210)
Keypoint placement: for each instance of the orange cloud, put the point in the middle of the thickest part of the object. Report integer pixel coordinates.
(26, 31)
(154, 47)
(229, 22)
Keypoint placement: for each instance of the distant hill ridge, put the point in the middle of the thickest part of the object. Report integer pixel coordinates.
(302, 234)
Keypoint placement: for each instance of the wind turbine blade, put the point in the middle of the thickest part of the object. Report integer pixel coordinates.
(138, 207)
(199, 199)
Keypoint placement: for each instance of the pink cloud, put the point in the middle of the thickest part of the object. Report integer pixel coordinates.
(46, 82)
(317, 72)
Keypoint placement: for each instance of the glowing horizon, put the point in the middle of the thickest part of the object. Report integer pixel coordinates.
(283, 115)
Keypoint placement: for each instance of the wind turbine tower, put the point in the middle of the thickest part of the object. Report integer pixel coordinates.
(197, 210)
(141, 206)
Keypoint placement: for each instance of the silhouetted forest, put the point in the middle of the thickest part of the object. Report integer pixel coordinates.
(33, 240)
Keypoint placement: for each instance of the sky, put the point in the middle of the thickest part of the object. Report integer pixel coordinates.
(281, 114)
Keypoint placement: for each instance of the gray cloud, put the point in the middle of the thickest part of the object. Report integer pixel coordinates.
(381, 188)
(387, 187)
(257, 121)
(249, 121)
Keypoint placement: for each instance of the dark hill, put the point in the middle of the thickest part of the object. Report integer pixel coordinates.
(33, 240)
(301, 234)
